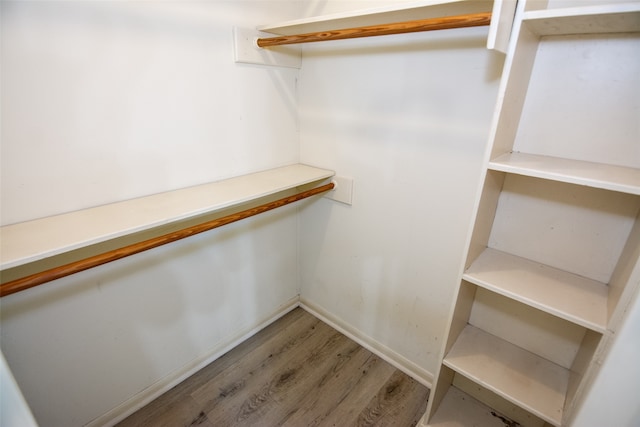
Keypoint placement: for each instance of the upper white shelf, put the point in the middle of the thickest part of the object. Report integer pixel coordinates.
(402, 11)
(31, 241)
(598, 175)
(620, 18)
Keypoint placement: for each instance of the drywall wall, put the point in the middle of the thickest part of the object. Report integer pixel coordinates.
(614, 396)
(14, 410)
(104, 101)
(408, 118)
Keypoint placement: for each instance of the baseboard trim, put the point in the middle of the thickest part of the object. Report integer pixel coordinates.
(154, 391)
(418, 373)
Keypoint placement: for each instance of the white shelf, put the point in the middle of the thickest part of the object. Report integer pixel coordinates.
(598, 175)
(402, 11)
(31, 241)
(568, 296)
(521, 377)
(621, 18)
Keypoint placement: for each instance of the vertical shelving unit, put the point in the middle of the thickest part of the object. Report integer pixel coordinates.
(554, 257)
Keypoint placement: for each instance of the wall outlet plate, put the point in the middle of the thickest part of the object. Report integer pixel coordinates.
(343, 191)
(247, 51)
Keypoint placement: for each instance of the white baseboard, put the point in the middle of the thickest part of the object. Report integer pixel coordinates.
(405, 365)
(154, 391)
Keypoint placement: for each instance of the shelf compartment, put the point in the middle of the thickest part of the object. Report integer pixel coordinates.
(458, 409)
(568, 296)
(622, 18)
(43, 238)
(523, 378)
(597, 175)
(569, 95)
(581, 101)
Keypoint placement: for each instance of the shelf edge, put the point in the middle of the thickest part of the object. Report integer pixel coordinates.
(538, 304)
(512, 163)
(377, 15)
(24, 236)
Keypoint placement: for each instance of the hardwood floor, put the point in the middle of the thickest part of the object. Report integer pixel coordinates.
(296, 372)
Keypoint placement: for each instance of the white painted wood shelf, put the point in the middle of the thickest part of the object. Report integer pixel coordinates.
(399, 12)
(521, 377)
(571, 297)
(597, 175)
(497, 37)
(35, 240)
(601, 19)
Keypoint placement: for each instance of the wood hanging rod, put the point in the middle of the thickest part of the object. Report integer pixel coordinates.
(42, 277)
(429, 24)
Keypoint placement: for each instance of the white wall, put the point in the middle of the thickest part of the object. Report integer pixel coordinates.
(14, 410)
(408, 118)
(104, 101)
(614, 396)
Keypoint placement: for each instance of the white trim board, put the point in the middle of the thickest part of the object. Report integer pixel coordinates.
(398, 361)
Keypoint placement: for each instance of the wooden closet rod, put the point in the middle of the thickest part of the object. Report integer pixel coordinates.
(429, 24)
(96, 260)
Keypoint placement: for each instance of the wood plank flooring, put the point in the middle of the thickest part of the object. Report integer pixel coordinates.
(296, 372)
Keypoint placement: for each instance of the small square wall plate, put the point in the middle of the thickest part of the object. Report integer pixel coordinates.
(343, 192)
